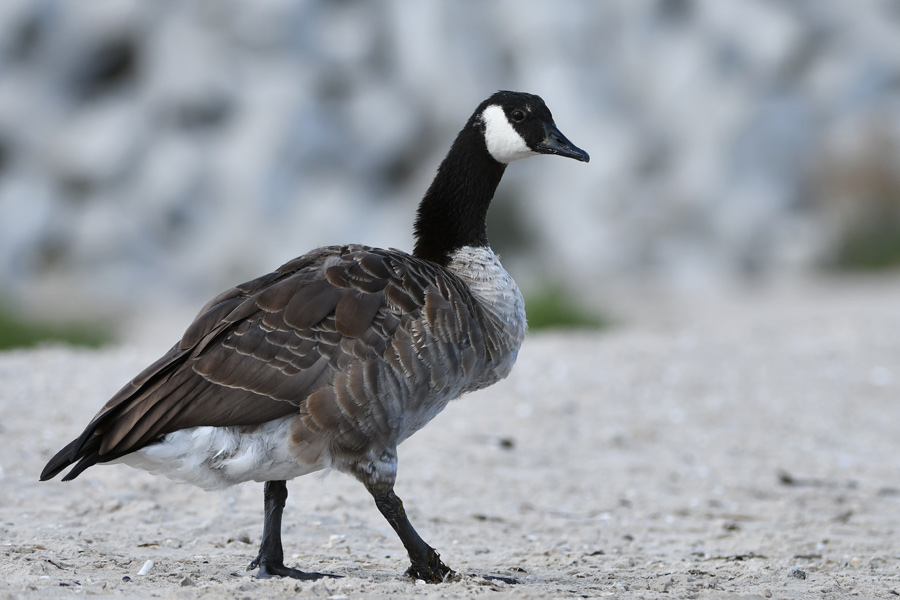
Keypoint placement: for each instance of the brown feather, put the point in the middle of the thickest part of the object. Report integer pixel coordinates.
(404, 300)
(310, 303)
(355, 312)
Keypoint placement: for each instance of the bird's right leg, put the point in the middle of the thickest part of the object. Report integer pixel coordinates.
(270, 559)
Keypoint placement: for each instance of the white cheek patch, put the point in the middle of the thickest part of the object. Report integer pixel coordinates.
(503, 142)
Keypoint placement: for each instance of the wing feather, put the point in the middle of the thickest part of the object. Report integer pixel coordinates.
(355, 312)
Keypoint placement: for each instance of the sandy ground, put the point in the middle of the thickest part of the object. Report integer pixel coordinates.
(742, 449)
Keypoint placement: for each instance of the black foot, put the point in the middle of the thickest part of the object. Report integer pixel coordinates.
(509, 580)
(268, 569)
(432, 570)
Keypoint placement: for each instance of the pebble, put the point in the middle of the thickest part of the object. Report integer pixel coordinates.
(146, 568)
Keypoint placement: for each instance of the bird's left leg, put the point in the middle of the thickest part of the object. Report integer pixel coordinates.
(378, 476)
(426, 562)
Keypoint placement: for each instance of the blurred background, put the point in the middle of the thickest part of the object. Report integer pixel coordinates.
(155, 153)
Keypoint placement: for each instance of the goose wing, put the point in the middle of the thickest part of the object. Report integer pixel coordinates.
(353, 315)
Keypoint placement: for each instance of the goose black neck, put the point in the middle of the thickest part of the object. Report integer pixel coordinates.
(453, 212)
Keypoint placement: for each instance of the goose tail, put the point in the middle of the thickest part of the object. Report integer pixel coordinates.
(83, 452)
(61, 460)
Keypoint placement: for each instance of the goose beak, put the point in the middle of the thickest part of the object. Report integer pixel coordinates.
(555, 142)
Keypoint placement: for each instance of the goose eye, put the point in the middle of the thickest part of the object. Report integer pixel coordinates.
(517, 115)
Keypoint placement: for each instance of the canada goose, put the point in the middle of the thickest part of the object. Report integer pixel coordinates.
(339, 355)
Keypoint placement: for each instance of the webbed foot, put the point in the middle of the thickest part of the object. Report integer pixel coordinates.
(269, 568)
(432, 569)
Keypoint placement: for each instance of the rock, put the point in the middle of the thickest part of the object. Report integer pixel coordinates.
(170, 149)
(97, 147)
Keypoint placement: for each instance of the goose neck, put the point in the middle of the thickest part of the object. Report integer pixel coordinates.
(453, 211)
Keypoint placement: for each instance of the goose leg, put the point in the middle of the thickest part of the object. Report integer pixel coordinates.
(270, 559)
(426, 562)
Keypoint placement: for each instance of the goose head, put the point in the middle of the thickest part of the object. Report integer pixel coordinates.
(517, 125)
(506, 127)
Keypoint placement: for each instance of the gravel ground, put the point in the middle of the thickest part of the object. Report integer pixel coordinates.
(745, 448)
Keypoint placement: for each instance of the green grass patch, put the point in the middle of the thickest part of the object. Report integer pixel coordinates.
(552, 308)
(19, 332)
(874, 246)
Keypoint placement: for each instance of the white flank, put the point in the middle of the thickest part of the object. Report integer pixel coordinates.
(503, 142)
(217, 457)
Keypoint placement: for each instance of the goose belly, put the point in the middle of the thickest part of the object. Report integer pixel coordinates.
(218, 457)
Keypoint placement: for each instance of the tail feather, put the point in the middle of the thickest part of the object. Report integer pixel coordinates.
(83, 453)
(61, 460)
(86, 460)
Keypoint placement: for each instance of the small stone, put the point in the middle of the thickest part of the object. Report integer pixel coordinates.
(662, 584)
(186, 581)
(798, 573)
(146, 568)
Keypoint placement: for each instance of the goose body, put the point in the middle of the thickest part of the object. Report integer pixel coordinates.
(379, 409)
(335, 358)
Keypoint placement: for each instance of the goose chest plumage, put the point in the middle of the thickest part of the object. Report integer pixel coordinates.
(338, 356)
